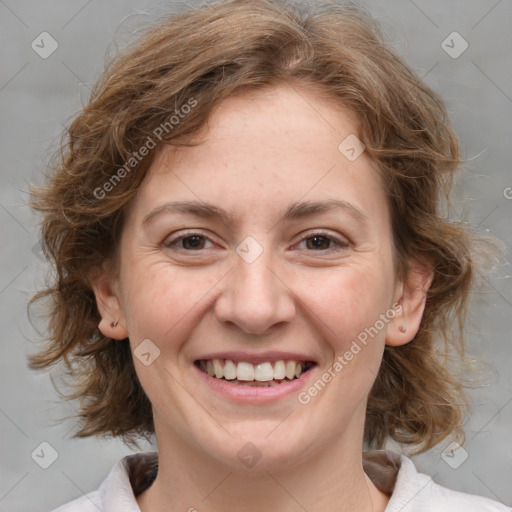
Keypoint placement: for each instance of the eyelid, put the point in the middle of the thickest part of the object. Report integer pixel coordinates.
(342, 242)
(170, 240)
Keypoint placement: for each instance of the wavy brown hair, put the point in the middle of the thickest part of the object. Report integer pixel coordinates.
(199, 57)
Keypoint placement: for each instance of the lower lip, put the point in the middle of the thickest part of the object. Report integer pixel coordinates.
(256, 394)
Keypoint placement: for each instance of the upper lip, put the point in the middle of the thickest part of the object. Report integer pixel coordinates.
(257, 357)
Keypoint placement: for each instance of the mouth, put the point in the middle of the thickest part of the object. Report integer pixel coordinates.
(264, 374)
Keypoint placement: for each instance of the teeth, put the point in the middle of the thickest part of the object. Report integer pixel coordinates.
(244, 371)
(263, 372)
(217, 368)
(229, 370)
(279, 370)
(241, 372)
(290, 369)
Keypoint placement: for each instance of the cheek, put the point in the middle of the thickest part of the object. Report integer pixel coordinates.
(348, 301)
(162, 301)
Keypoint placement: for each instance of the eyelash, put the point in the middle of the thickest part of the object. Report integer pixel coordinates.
(341, 244)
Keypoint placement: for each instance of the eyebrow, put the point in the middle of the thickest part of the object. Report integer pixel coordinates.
(295, 211)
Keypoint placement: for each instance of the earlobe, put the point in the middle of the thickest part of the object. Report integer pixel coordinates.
(110, 329)
(112, 323)
(405, 325)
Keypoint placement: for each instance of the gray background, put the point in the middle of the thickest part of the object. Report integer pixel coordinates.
(38, 96)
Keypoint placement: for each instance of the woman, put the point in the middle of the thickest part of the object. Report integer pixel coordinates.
(252, 265)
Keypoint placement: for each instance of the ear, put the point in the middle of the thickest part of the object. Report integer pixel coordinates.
(411, 297)
(104, 285)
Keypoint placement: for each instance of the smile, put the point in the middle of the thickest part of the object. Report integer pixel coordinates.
(264, 374)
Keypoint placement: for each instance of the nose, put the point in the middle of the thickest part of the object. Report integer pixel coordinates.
(255, 297)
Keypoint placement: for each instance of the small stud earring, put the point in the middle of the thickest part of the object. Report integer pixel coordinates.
(114, 324)
(403, 328)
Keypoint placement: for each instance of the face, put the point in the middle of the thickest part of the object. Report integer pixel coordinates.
(262, 247)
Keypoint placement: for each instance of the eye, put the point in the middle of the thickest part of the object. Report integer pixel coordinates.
(323, 242)
(188, 242)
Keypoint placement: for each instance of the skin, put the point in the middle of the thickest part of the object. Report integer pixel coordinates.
(260, 153)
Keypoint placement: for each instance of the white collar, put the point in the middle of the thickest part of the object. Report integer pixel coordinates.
(392, 473)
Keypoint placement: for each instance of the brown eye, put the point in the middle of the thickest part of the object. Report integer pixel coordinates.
(318, 242)
(193, 242)
(323, 242)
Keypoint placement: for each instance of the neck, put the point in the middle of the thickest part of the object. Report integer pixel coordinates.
(332, 480)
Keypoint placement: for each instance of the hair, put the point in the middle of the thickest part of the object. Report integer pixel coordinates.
(199, 57)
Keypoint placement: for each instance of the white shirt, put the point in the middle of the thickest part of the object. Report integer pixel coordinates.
(392, 473)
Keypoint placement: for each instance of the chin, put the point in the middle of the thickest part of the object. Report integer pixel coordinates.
(257, 450)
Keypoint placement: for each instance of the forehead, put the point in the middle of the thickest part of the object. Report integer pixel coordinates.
(266, 148)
